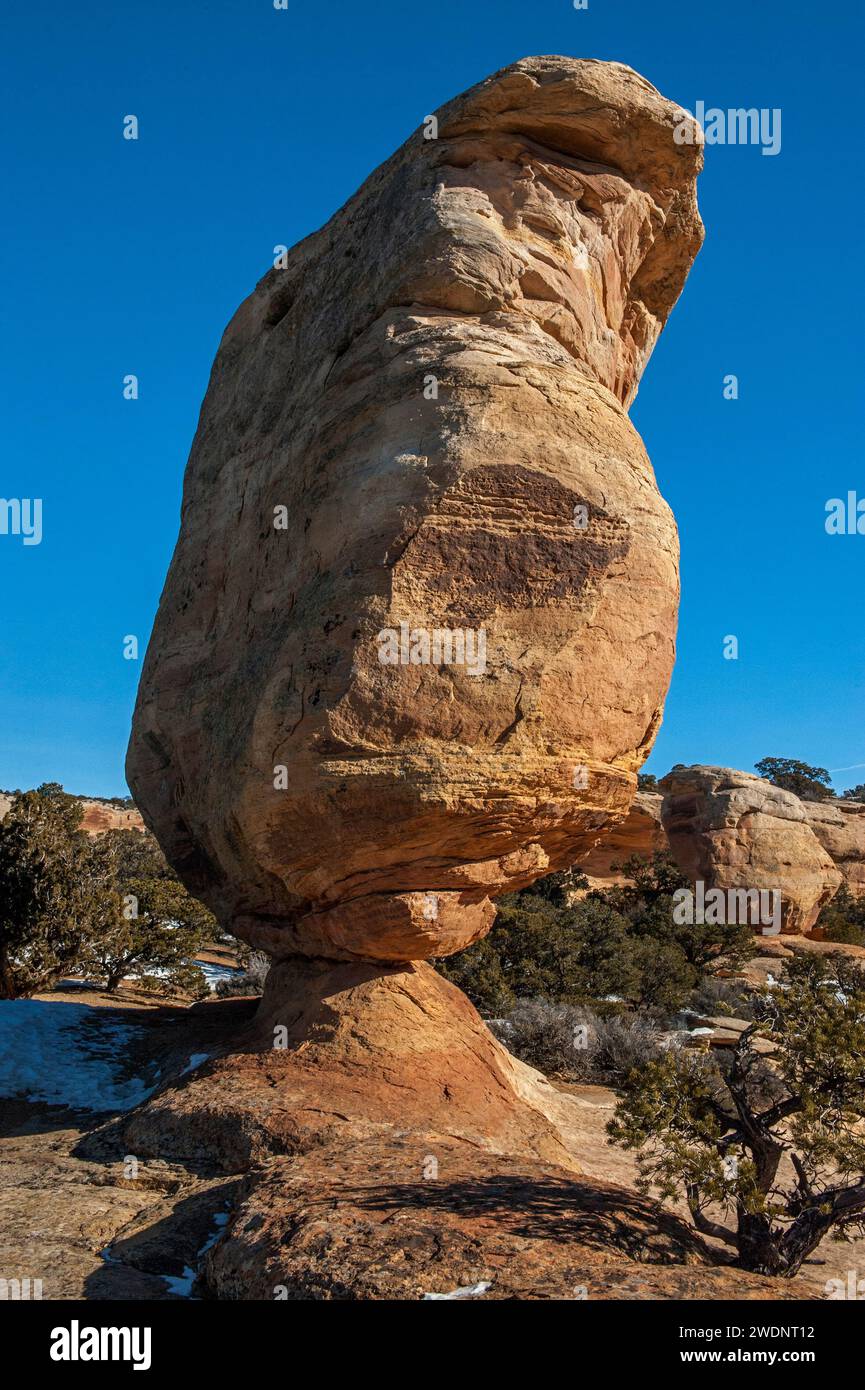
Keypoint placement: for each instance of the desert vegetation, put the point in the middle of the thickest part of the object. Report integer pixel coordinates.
(106, 908)
(614, 950)
(718, 1129)
(764, 1139)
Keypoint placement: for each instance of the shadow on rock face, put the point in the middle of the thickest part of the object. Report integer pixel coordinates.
(407, 1216)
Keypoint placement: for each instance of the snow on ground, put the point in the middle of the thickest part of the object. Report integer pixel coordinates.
(195, 1061)
(466, 1291)
(214, 973)
(66, 1054)
(182, 1284)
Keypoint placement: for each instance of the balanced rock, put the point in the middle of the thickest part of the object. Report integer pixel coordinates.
(733, 830)
(419, 625)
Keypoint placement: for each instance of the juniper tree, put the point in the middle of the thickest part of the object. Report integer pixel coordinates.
(620, 946)
(50, 906)
(843, 918)
(153, 927)
(720, 1131)
(809, 783)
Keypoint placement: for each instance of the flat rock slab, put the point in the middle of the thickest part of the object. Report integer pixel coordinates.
(405, 1219)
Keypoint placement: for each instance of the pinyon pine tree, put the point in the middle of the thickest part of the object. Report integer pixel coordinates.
(792, 775)
(720, 1131)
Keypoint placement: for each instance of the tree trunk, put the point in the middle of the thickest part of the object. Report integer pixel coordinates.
(803, 1236)
(7, 982)
(759, 1249)
(811, 1225)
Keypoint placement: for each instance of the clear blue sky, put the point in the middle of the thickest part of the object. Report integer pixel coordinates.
(255, 125)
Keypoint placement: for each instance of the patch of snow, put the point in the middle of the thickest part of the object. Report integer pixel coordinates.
(220, 1220)
(214, 973)
(181, 1284)
(195, 1061)
(66, 1054)
(468, 1291)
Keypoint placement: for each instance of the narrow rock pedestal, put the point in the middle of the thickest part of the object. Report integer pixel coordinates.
(339, 1051)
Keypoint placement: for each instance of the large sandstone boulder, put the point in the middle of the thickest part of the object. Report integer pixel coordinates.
(419, 625)
(840, 828)
(730, 829)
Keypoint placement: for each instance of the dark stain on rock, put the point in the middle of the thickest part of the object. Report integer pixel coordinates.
(512, 537)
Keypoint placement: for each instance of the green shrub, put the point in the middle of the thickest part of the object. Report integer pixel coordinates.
(619, 948)
(843, 918)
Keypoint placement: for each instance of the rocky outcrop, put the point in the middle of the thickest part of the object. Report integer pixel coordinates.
(100, 816)
(640, 833)
(840, 828)
(97, 816)
(732, 830)
(378, 1212)
(346, 1049)
(418, 628)
(376, 1222)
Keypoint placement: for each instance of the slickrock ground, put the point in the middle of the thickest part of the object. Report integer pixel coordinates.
(363, 1214)
(73, 1212)
(433, 388)
(363, 1222)
(731, 829)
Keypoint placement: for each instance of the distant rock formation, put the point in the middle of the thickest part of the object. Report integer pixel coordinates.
(730, 829)
(640, 833)
(98, 816)
(840, 828)
(418, 629)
